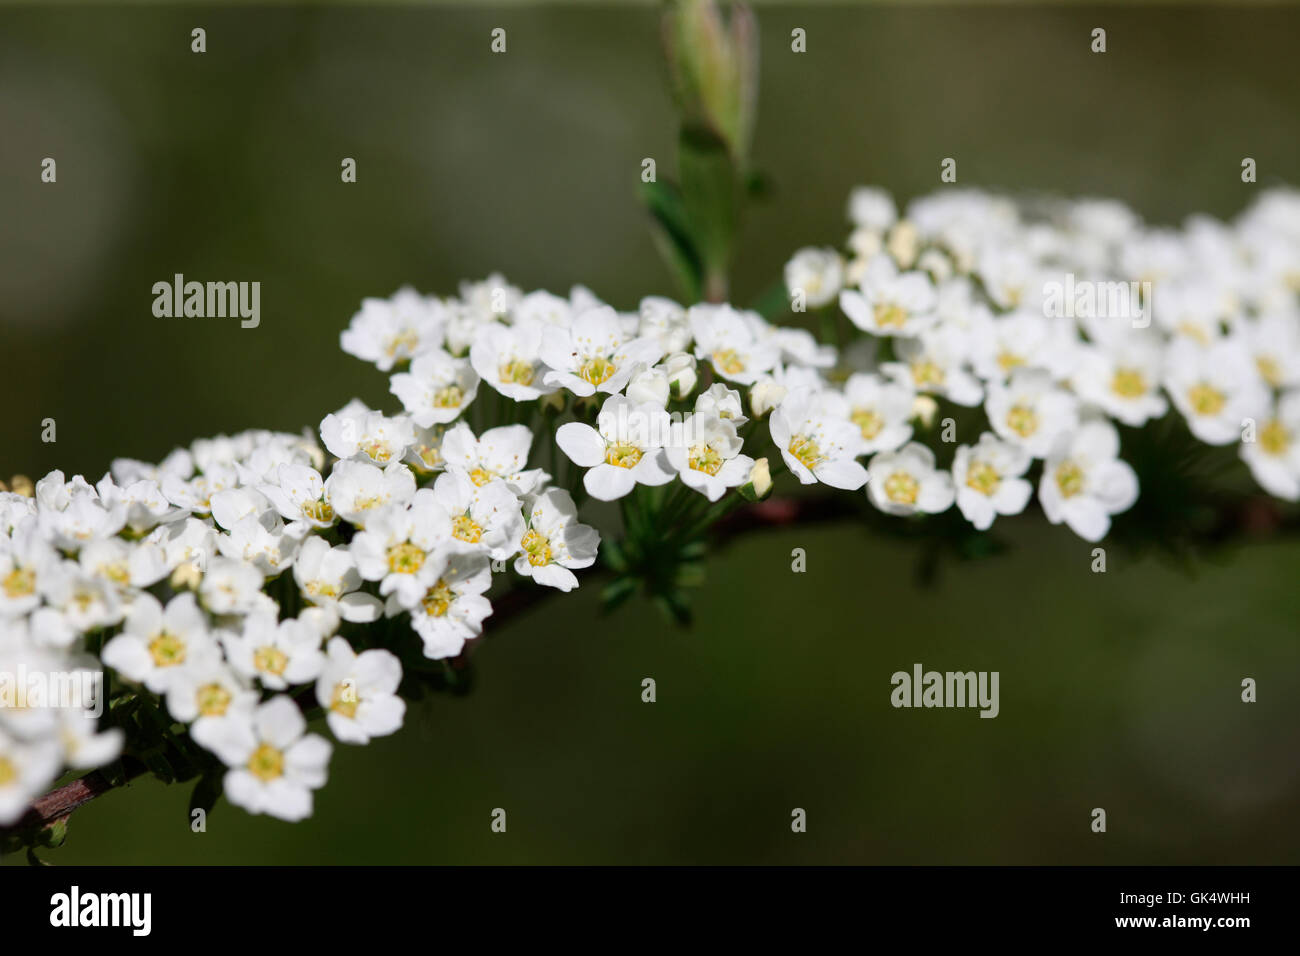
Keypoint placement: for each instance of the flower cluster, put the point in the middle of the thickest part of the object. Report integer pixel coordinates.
(247, 584)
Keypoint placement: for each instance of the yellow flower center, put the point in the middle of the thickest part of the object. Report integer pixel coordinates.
(890, 316)
(8, 772)
(480, 476)
(983, 477)
(805, 450)
(270, 660)
(20, 582)
(537, 547)
(1069, 478)
(213, 700)
(438, 599)
(596, 370)
(1128, 383)
(405, 558)
(705, 458)
(728, 361)
(378, 451)
(515, 372)
(1022, 420)
(344, 700)
(1274, 438)
(1269, 370)
(320, 511)
(926, 373)
(901, 488)
(1206, 399)
(429, 456)
(869, 422)
(1009, 360)
(622, 455)
(449, 397)
(321, 589)
(404, 341)
(167, 650)
(266, 763)
(466, 529)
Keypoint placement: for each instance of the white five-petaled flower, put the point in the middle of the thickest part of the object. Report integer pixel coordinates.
(278, 654)
(508, 358)
(891, 302)
(274, 763)
(436, 389)
(554, 544)
(989, 480)
(626, 448)
(817, 442)
(1274, 453)
(360, 434)
(906, 481)
(156, 641)
(498, 454)
(206, 688)
(398, 547)
(328, 577)
(705, 451)
(882, 411)
(486, 517)
(298, 494)
(1216, 388)
(732, 342)
(1031, 411)
(594, 354)
(356, 489)
(1084, 482)
(816, 273)
(452, 611)
(392, 330)
(359, 692)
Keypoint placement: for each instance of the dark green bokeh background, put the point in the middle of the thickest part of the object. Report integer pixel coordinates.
(1118, 691)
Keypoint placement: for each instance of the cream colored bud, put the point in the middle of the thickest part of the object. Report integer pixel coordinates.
(925, 408)
(764, 397)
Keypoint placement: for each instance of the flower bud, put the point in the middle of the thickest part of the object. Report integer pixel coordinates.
(759, 485)
(651, 386)
(680, 369)
(765, 396)
(925, 408)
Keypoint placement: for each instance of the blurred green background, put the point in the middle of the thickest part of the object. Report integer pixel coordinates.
(1118, 691)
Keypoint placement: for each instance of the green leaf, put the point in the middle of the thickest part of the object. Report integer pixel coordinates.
(711, 197)
(673, 236)
(206, 793)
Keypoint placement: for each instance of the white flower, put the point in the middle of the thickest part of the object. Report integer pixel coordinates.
(498, 454)
(231, 586)
(84, 746)
(357, 490)
(1122, 378)
(124, 565)
(195, 494)
(881, 410)
(649, 386)
(1031, 411)
(554, 543)
(328, 578)
(817, 441)
(624, 450)
(87, 601)
(298, 494)
(891, 302)
(1084, 482)
(1215, 388)
(816, 273)
(486, 517)
(1274, 455)
(436, 389)
(156, 641)
(396, 548)
(989, 481)
(205, 688)
(906, 481)
(279, 654)
(387, 331)
(765, 395)
(664, 321)
(262, 541)
(720, 400)
(26, 769)
(705, 450)
(508, 358)
(453, 609)
(146, 505)
(680, 369)
(730, 341)
(935, 362)
(275, 764)
(1274, 343)
(593, 354)
(359, 692)
(359, 434)
(25, 558)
